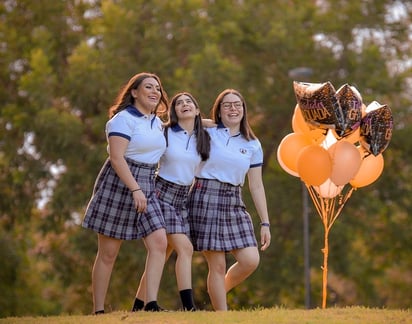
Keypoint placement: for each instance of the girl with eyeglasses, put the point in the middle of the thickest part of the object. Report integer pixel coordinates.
(219, 221)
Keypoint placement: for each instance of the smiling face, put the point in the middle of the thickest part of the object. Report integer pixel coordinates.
(231, 110)
(185, 108)
(147, 95)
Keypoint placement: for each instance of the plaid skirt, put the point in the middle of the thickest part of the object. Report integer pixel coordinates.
(218, 218)
(111, 210)
(173, 198)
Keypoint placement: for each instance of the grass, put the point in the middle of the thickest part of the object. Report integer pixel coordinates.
(350, 315)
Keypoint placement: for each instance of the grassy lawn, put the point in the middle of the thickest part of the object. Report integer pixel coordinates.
(350, 315)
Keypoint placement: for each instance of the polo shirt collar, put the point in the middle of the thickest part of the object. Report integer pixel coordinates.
(176, 128)
(133, 111)
(220, 125)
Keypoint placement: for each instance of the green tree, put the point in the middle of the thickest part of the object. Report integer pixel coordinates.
(61, 65)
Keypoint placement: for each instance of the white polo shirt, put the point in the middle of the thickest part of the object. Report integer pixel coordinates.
(231, 157)
(180, 160)
(144, 132)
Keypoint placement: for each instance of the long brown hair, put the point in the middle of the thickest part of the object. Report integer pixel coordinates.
(202, 136)
(125, 98)
(245, 128)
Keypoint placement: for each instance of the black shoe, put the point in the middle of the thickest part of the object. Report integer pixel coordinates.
(99, 312)
(138, 305)
(153, 307)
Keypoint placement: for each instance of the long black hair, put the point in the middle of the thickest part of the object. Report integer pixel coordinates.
(202, 136)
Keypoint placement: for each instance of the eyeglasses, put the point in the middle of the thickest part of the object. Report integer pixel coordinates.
(228, 105)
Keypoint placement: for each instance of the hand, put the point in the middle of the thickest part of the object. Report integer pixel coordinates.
(140, 201)
(208, 123)
(264, 237)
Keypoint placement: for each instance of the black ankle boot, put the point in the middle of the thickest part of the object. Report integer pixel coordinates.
(153, 307)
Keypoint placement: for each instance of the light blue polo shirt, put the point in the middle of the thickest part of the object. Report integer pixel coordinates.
(144, 132)
(231, 157)
(180, 160)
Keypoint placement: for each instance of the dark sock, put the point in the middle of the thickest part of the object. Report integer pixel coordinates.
(152, 307)
(186, 296)
(99, 312)
(138, 305)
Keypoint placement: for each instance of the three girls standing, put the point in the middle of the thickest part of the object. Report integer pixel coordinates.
(128, 203)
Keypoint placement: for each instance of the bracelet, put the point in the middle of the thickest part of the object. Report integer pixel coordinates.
(136, 190)
(265, 224)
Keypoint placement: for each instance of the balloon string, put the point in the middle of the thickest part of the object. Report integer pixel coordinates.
(344, 198)
(326, 208)
(325, 251)
(316, 202)
(329, 208)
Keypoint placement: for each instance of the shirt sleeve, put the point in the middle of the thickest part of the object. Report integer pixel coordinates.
(119, 126)
(257, 157)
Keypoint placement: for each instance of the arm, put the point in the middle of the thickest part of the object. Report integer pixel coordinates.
(208, 123)
(117, 148)
(257, 191)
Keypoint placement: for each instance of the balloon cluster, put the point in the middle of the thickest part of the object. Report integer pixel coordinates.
(336, 138)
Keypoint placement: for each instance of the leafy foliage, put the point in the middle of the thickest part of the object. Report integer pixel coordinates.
(62, 63)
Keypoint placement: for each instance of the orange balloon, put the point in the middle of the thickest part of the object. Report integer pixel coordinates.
(363, 151)
(289, 149)
(284, 167)
(353, 137)
(346, 161)
(370, 170)
(314, 165)
(299, 125)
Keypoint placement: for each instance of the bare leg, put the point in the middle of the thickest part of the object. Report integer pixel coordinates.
(140, 293)
(216, 279)
(184, 249)
(247, 260)
(183, 268)
(108, 249)
(156, 244)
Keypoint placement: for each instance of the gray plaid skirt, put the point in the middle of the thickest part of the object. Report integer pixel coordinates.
(218, 218)
(173, 198)
(111, 210)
